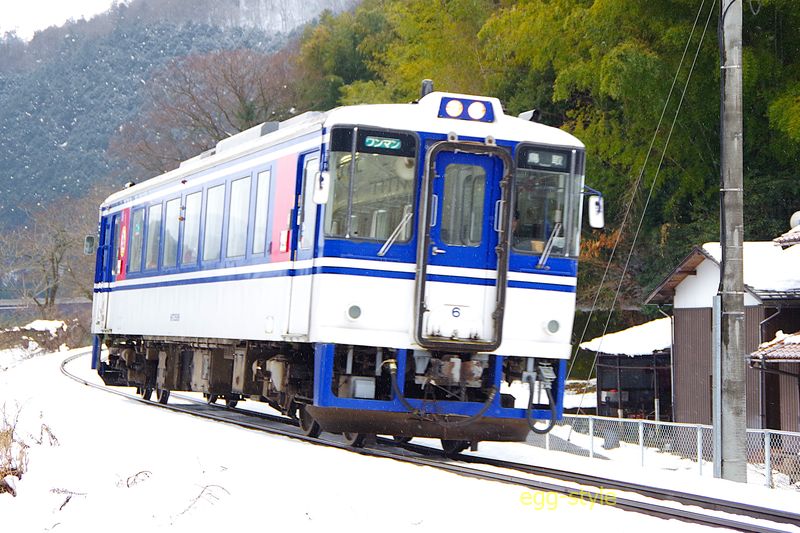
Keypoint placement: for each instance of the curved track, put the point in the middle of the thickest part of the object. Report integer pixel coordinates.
(427, 456)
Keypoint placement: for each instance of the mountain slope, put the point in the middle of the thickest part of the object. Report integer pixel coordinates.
(66, 92)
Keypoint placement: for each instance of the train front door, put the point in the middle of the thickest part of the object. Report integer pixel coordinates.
(463, 247)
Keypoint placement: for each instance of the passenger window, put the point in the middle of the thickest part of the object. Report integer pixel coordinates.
(215, 207)
(172, 224)
(262, 207)
(462, 208)
(153, 237)
(307, 213)
(137, 241)
(191, 228)
(116, 248)
(238, 217)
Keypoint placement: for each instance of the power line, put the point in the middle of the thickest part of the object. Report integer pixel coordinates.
(652, 186)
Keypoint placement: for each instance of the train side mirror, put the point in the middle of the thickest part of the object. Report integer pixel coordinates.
(322, 187)
(596, 215)
(88, 245)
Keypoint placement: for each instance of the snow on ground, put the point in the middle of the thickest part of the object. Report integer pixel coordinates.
(46, 325)
(572, 399)
(123, 465)
(12, 356)
(624, 461)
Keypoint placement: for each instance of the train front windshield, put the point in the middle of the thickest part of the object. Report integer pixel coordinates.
(547, 205)
(373, 184)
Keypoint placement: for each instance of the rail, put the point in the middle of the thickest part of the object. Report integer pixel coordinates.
(432, 457)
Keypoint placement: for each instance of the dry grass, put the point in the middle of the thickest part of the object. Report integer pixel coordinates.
(13, 449)
(581, 387)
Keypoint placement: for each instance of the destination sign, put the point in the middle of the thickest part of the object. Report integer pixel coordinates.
(383, 142)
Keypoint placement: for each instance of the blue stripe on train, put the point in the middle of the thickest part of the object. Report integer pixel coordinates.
(386, 274)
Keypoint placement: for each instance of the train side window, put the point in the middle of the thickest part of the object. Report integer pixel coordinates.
(191, 228)
(116, 248)
(238, 216)
(153, 237)
(307, 214)
(137, 241)
(215, 210)
(262, 208)
(172, 224)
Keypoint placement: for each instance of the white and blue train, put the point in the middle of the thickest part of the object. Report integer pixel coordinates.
(376, 269)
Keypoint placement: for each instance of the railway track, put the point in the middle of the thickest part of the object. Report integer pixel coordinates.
(639, 498)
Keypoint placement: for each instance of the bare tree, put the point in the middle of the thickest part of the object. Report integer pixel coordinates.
(43, 259)
(194, 102)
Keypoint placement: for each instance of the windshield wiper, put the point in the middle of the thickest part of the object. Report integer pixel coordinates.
(395, 234)
(549, 246)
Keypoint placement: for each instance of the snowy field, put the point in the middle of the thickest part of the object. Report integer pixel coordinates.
(98, 461)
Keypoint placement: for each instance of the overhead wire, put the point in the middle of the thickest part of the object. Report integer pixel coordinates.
(650, 192)
(636, 186)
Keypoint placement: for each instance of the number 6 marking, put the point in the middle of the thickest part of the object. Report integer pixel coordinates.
(456, 312)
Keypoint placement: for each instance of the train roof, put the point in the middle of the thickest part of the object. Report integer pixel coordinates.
(428, 115)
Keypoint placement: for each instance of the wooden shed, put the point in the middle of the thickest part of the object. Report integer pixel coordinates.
(772, 303)
(634, 372)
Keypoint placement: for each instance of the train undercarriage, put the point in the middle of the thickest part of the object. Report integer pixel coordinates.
(360, 391)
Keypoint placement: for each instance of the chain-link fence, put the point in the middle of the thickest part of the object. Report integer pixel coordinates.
(773, 456)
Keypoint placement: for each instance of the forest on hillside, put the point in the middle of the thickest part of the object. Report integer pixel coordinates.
(603, 70)
(637, 81)
(62, 102)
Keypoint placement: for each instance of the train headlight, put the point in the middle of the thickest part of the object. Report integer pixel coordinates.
(454, 108)
(552, 327)
(466, 109)
(476, 110)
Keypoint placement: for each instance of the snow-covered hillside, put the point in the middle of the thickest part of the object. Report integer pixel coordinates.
(284, 15)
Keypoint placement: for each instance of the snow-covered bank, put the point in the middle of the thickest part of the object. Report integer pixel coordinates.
(123, 465)
(20, 343)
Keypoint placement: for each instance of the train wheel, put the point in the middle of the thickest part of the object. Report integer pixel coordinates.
(356, 440)
(400, 439)
(162, 395)
(146, 393)
(232, 403)
(211, 398)
(454, 447)
(308, 425)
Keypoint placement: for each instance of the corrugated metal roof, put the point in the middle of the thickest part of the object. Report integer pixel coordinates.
(773, 296)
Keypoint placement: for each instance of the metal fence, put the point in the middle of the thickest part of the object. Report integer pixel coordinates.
(773, 456)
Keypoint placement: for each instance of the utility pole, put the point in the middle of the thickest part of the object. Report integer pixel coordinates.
(733, 419)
